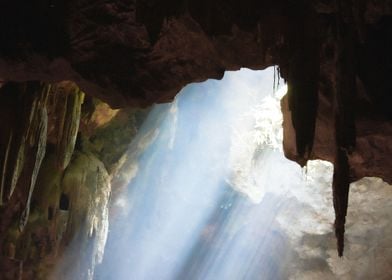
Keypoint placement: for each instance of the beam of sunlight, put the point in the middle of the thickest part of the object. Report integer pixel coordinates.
(205, 195)
(211, 195)
(188, 212)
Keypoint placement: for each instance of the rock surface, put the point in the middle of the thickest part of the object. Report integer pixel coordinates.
(135, 53)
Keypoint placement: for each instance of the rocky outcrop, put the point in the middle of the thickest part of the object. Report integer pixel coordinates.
(85, 193)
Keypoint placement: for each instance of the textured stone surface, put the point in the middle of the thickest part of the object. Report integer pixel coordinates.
(132, 53)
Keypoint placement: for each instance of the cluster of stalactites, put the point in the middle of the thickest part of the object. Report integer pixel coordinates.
(24, 122)
(26, 125)
(303, 78)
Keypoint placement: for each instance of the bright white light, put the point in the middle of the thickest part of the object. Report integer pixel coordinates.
(190, 210)
(256, 135)
(281, 92)
(212, 196)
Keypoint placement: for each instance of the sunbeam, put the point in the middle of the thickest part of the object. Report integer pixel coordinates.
(211, 195)
(208, 187)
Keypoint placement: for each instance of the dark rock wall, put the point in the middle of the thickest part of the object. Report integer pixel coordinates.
(135, 53)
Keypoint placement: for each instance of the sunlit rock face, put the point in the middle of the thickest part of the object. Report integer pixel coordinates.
(87, 185)
(368, 235)
(211, 196)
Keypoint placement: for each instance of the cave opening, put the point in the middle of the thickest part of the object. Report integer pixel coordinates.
(211, 194)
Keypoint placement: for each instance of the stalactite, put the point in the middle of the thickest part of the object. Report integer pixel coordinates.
(4, 168)
(273, 86)
(18, 123)
(37, 135)
(340, 188)
(345, 76)
(39, 156)
(303, 76)
(344, 116)
(68, 105)
(18, 167)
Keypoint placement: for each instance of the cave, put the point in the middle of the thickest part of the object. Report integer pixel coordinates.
(79, 78)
